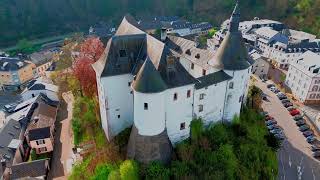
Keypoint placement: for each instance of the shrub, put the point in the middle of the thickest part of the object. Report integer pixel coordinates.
(129, 170)
(196, 130)
(102, 171)
(156, 170)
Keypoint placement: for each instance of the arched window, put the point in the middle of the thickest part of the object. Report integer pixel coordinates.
(315, 88)
(231, 85)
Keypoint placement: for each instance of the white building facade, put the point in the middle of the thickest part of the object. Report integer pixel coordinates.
(303, 78)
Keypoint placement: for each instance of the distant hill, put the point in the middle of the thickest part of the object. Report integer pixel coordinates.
(41, 18)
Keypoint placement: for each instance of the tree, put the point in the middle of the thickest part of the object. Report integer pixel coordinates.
(156, 170)
(102, 171)
(212, 32)
(129, 170)
(24, 46)
(84, 72)
(91, 48)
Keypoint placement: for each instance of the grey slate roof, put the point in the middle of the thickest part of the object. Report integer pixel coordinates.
(148, 79)
(11, 130)
(35, 168)
(147, 149)
(211, 79)
(232, 53)
(11, 64)
(40, 133)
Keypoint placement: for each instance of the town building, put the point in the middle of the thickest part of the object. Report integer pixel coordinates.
(40, 130)
(261, 66)
(173, 25)
(13, 147)
(37, 169)
(37, 87)
(303, 78)
(43, 60)
(160, 86)
(14, 73)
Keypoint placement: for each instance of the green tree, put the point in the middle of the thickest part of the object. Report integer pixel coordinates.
(129, 170)
(102, 171)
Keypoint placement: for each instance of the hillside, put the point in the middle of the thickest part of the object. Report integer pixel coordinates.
(34, 19)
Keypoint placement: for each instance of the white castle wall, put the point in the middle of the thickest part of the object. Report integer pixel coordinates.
(179, 111)
(151, 121)
(118, 101)
(233, 101)
(213, 102)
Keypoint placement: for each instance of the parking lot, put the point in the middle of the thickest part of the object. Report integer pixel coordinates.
(295, 155)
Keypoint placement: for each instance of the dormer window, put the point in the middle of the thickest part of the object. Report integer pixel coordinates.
(231, 85)
(188, 52)
(122, 53)
(197, 56)
(192, 66)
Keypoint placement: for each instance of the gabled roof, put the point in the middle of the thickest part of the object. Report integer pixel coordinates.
(148, 79)
(211, 79)
(34, 169)
(40, 133)
(232, 53)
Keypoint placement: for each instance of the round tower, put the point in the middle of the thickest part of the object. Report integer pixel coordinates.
(232, 57)
(149, 140)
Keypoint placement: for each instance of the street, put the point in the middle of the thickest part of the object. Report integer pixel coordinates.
(62, 160)
(295, 157)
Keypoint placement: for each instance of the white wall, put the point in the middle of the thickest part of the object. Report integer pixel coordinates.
(151, 121)
(240, 84)
(118, 101)
(212, 102)
(179, 111)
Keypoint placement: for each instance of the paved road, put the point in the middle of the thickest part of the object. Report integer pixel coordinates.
(295, 157)
(62, 159)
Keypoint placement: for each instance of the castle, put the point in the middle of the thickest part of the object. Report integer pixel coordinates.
(158, 86)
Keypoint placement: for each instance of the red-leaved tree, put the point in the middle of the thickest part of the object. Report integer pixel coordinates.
(90, 51)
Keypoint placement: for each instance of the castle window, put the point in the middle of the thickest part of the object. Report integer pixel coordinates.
(129, 83)
(175, 96)
(231, 85)
(188, 93)
(122, 53)
(192, 66)
(204, 72)
(145, 106)
(201, 96)
(182, 126)
(200, 108)
(119, 116)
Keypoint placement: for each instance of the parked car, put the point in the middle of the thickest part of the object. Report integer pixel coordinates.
(282, 97)
(307, 133)
(275, 131)
(311, 139)
(291, 108)
(316, 154)
(271, 122)
(315, 148)
(284, 101)
(264, 113)
(300, 122)
(304, 128)
(297, 117)
(273, 126)
(268, 118)
(288, 105)
(279, 136)
(294, 112)
(276, 91)
(270, 85)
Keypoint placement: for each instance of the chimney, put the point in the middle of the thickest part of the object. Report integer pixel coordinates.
(163, 34)
(196, 41)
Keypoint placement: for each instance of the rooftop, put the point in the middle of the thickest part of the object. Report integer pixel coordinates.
(33, 169)
(266, 32)
(11, 64)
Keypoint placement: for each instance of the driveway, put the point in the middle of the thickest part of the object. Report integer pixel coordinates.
(295, 157)
(63, 156)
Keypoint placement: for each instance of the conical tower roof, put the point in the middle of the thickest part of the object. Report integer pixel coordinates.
(148, 79)
(232, 53)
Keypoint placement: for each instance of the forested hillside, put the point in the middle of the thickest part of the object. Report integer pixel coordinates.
(41, 18)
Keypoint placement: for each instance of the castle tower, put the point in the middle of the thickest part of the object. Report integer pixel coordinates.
(232, 57)
(149, 140)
